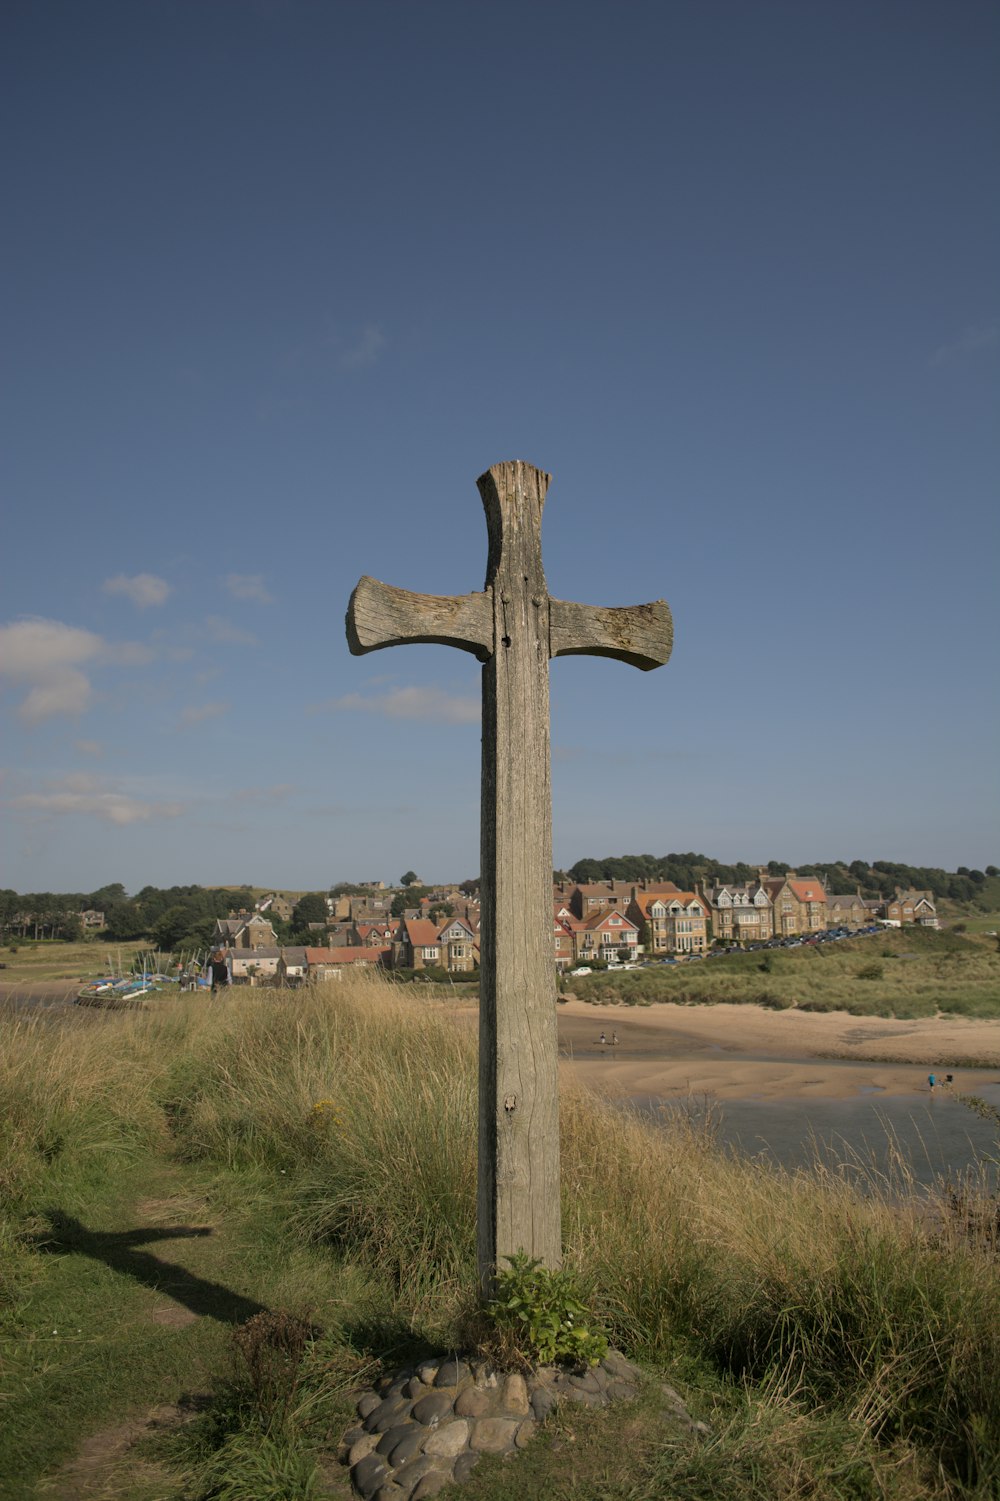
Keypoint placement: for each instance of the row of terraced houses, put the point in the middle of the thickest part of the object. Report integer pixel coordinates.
(612, 921)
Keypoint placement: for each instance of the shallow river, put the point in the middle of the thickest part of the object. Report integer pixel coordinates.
(934, 1135)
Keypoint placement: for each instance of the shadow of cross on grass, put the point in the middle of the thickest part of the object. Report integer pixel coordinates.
(118, 1249)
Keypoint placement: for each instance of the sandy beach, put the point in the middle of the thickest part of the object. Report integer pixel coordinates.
(747, 1052)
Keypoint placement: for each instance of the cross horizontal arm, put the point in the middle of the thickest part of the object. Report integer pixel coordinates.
(642, 635)
(379, 615)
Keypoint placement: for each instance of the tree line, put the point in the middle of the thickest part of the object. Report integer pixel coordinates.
(875, 880)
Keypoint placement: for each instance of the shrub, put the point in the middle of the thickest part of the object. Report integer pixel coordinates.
(542, 1312)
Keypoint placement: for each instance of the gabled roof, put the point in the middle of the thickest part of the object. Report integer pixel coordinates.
(421, 932)
(808, 890)
(357, 955)
(603, 920)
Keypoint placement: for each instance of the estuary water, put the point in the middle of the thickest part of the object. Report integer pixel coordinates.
(932, 1133)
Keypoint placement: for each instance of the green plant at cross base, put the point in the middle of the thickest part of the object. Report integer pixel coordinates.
(544, 1312)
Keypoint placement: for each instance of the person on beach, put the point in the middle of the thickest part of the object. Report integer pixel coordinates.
(602, 1039)
(219, 970)
(614, 1039)
(931, 1081)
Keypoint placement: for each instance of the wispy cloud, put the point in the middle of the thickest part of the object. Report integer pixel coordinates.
(47, 656)
(413, 703)
(365, 350)
(143, 589)
(197, 713)
(248, 586)
(81, 795)
(230, 635)
(89, 747)
(975, 338)
(264, 795)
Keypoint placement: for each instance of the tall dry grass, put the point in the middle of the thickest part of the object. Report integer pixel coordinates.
(359, 1102)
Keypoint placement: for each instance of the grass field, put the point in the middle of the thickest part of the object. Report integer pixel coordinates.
(901, 972)
(165, 1174)
(27, 961)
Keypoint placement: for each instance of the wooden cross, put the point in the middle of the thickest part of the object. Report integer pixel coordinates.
(513, 627)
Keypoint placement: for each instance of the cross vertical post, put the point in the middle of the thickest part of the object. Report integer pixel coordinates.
(513, 627)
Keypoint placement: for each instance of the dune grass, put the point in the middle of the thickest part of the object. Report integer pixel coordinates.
(905, 973)
(840, 1340)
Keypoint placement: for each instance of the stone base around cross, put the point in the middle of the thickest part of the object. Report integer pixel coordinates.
(428, 1425)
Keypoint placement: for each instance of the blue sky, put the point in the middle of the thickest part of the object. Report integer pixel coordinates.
(282, 278)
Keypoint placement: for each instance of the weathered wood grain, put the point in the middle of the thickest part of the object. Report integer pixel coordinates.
(642, 635)
(379, 615)
(519, 1205)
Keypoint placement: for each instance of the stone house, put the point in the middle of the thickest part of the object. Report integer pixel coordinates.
(911, 907)
(245, 930)
(846, 910)
(670, 922)
(741, 912)
(798, 903)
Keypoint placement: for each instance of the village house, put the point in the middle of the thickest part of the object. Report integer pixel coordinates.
(670, 922)
(275, 905)
(330, 964)
(376, 935)
(244, 930)
(741, 912)
(798, 903)
(266, 966)
(846, 910)
(607, 935)
(911, 907)
(421, 943)
(459, 945)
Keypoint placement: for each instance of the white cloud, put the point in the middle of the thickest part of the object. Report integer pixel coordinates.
(414, 703)
(47, 655)
(82, 795)
(195, 714)
(365, 350)
(231, 635)
(143, 589)
(979, 336)
(248, 586)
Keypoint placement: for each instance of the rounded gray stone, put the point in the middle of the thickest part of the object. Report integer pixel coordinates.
(392, 1436)
(474, 1403)
(414, 1470)
(409, 1445)
(433, 1481)
(621, 1391)
(616, 1365)
(585, 1383)
(449, 1439)
(427, 1370)
(368, 1403)
(542, 1402)
(464, 1465)
(389, 1492)
(432, 1408)
(451, 1373)
(525, 1433)
(387, 1414)
(368, 1474)
(361, 1447)
(493, 1435)
(515, 1395)
(415, 1388)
